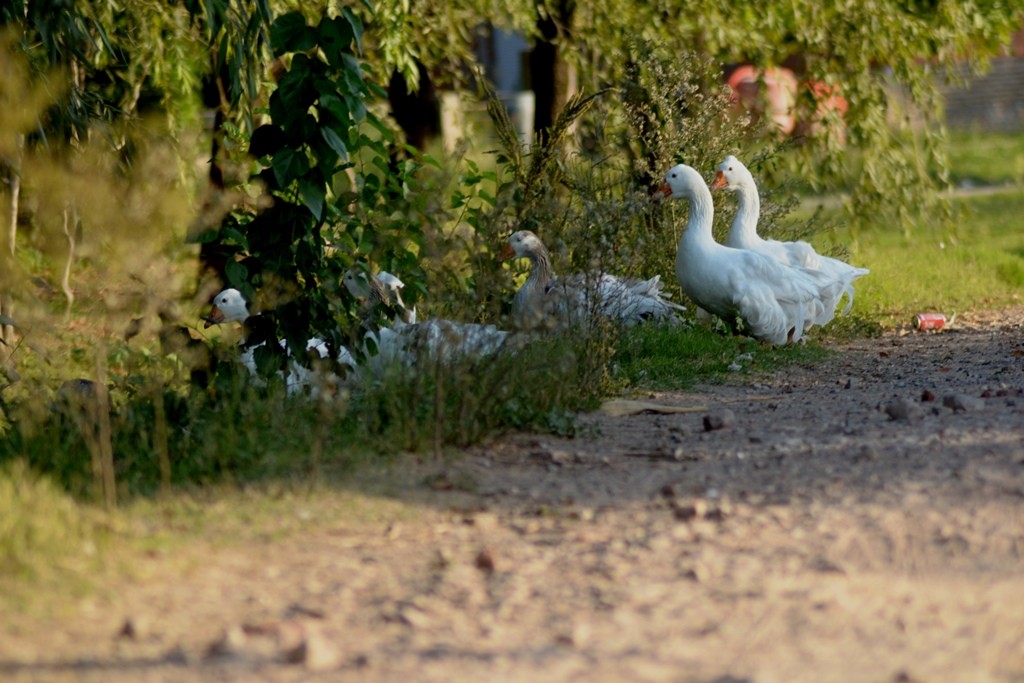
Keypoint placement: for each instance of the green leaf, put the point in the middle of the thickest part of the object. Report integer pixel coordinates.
(357, 27)
(237, 275)
(266, 140)
(290, 33)
(335, 142)
(289, 165)
(294, 95)
(232, 234)
(205, 237)
(264, 10)
(336, 106)
(357, 107)
(335, 37)
(313, 193)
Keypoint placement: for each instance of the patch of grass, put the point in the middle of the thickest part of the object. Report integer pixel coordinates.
(980, 265)
(47, 540)
(678, 357)
(165, 434)
(986, 158)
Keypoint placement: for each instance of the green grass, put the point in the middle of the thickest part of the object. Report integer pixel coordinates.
(978, 264)
(47, 539)
(651, 357)
(986, 158)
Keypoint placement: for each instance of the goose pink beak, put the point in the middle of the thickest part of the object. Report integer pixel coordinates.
(719, 182)
(215, 318)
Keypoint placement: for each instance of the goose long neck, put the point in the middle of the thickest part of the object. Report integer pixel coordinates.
(540, 267)
(744, 224)
(698, 226)
(528, 300)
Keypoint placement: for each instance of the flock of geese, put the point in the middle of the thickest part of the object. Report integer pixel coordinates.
(773, 291)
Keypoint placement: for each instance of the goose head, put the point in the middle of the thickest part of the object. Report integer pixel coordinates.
(731, 175)
(228, 306)
(390, 282)
(357, 282)
(369, 288)
(522, 243)
(681, 182)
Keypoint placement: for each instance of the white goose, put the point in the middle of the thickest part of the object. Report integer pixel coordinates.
(442, 340)
(407, 341)
(733, 176)
(230, 306)
(382, 288)
(544, 296)
(776, 303)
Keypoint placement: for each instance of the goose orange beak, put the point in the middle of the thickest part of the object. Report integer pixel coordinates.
(662, 192)
(719, 182)
(216, 317)
(506, 253)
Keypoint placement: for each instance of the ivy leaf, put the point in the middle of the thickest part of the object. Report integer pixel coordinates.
(237, 275)
(294, 95)
(335, 142)
(336, 106)
(288, 165)
(290, 33)
(335, 37)
(232, 234)
(266, 140)
(313, 194)
(357, 27)
(344, 242)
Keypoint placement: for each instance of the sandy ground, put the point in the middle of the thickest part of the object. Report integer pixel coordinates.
(858, 520)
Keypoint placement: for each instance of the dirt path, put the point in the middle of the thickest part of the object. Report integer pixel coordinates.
(862, 520)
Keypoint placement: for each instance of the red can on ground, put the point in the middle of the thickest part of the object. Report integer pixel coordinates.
(929, 321)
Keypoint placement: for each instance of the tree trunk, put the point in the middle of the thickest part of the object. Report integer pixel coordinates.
(6, 300)
(212, 256)
(418, 113)
(550, 75)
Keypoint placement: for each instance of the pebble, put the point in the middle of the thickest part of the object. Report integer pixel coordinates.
(902, 409)
(485, 561)
(963, 402)
(231, 644)
(865, 454)
(719, 419)
(315, 652)
(133, 629)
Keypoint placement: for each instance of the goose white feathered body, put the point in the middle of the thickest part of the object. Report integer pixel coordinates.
(574, 298)
(230, 306)
(776, 303)
(436, 339)
(733, 176)
(407, 341)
